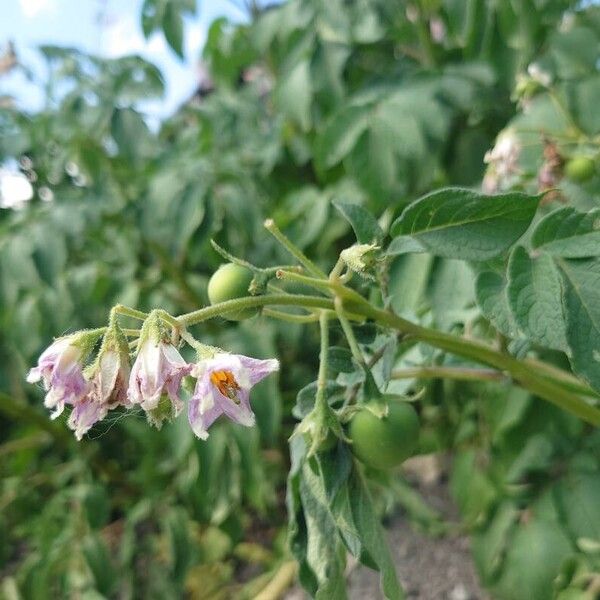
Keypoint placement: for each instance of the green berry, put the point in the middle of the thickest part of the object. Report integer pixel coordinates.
(229, 282)
(580, 168)
(387, 442)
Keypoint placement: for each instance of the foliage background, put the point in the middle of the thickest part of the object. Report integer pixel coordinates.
(313, 101)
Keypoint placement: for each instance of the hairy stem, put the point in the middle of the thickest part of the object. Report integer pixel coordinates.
(130, 312)
(457, 373)
(320, 399)
(216, 310)
(308, 264)
(290, 317)
(347, 328)
(549, 389)
(548, 385)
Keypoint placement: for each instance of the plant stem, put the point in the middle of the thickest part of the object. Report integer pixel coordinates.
(167, 318)
(337, 269)
(568, 381)
(216, 310)
(293, 249)
(290, 317)
(550, 390)
(283, 579)
(347, 328)
(320, 399)
(332, 287)
(321, 284)
(458, 373)
(130, 312)
(131, 332)
(550, 386)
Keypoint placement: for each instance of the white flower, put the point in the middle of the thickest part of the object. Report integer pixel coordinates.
(60, 367)
(503, 161)
(223, 387)
(155, 375)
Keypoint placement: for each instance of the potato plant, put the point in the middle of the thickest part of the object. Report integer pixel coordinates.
(386, 217)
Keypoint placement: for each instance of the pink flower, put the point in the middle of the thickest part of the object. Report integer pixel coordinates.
(60, 367)
(155, 379)
(93, 392)
(84, 415)
(223, 387)
(109, 384)
(107, 390)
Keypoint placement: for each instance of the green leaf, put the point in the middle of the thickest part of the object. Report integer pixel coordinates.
(340, 360)
(490, 291)
(340, 135)
(371, 535)
(535, 298)
(365, 225)
(460, 223)
(322, 550)
(294, 94)
(173, 27)
(404, 244)
(534, 556)
(490, 544)
(305, 399)
(99, 561)
(568, 233)
(580, 490)
(313, 536)
(152, 13)
(131, 134)
(297, 529)
(582, 310)
(408, 279)
(177, 526)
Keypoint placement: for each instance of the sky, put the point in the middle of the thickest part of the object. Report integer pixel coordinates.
(109, 28)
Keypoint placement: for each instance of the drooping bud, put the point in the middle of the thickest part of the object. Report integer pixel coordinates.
(156, 374)
(60, 368)
(360, 257)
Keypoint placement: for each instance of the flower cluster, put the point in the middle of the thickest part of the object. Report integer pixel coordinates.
(503, 163)
(223, 380)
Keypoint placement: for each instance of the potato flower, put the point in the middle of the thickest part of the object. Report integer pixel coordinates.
(155, 379)
(60, 368)
(223, 387)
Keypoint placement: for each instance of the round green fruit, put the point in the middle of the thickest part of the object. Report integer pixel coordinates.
(229, 282)
(385, 443)
(580, 168)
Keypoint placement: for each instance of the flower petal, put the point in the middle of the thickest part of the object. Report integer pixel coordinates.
(84, 415)
(240, 413)
(202, 409)
(257, 368)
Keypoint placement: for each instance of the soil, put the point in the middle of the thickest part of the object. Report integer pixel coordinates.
(429, 568)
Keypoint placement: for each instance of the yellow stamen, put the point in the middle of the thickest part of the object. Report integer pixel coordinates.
(225, 382)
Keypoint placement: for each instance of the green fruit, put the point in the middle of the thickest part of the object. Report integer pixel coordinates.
(580, 168)
(229, 282)
(385, 443)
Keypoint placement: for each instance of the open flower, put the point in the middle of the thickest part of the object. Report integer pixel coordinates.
(60, 367)
(155, 379)
(223, 387)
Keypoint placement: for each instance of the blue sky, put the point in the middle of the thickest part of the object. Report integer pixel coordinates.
(108, 28)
